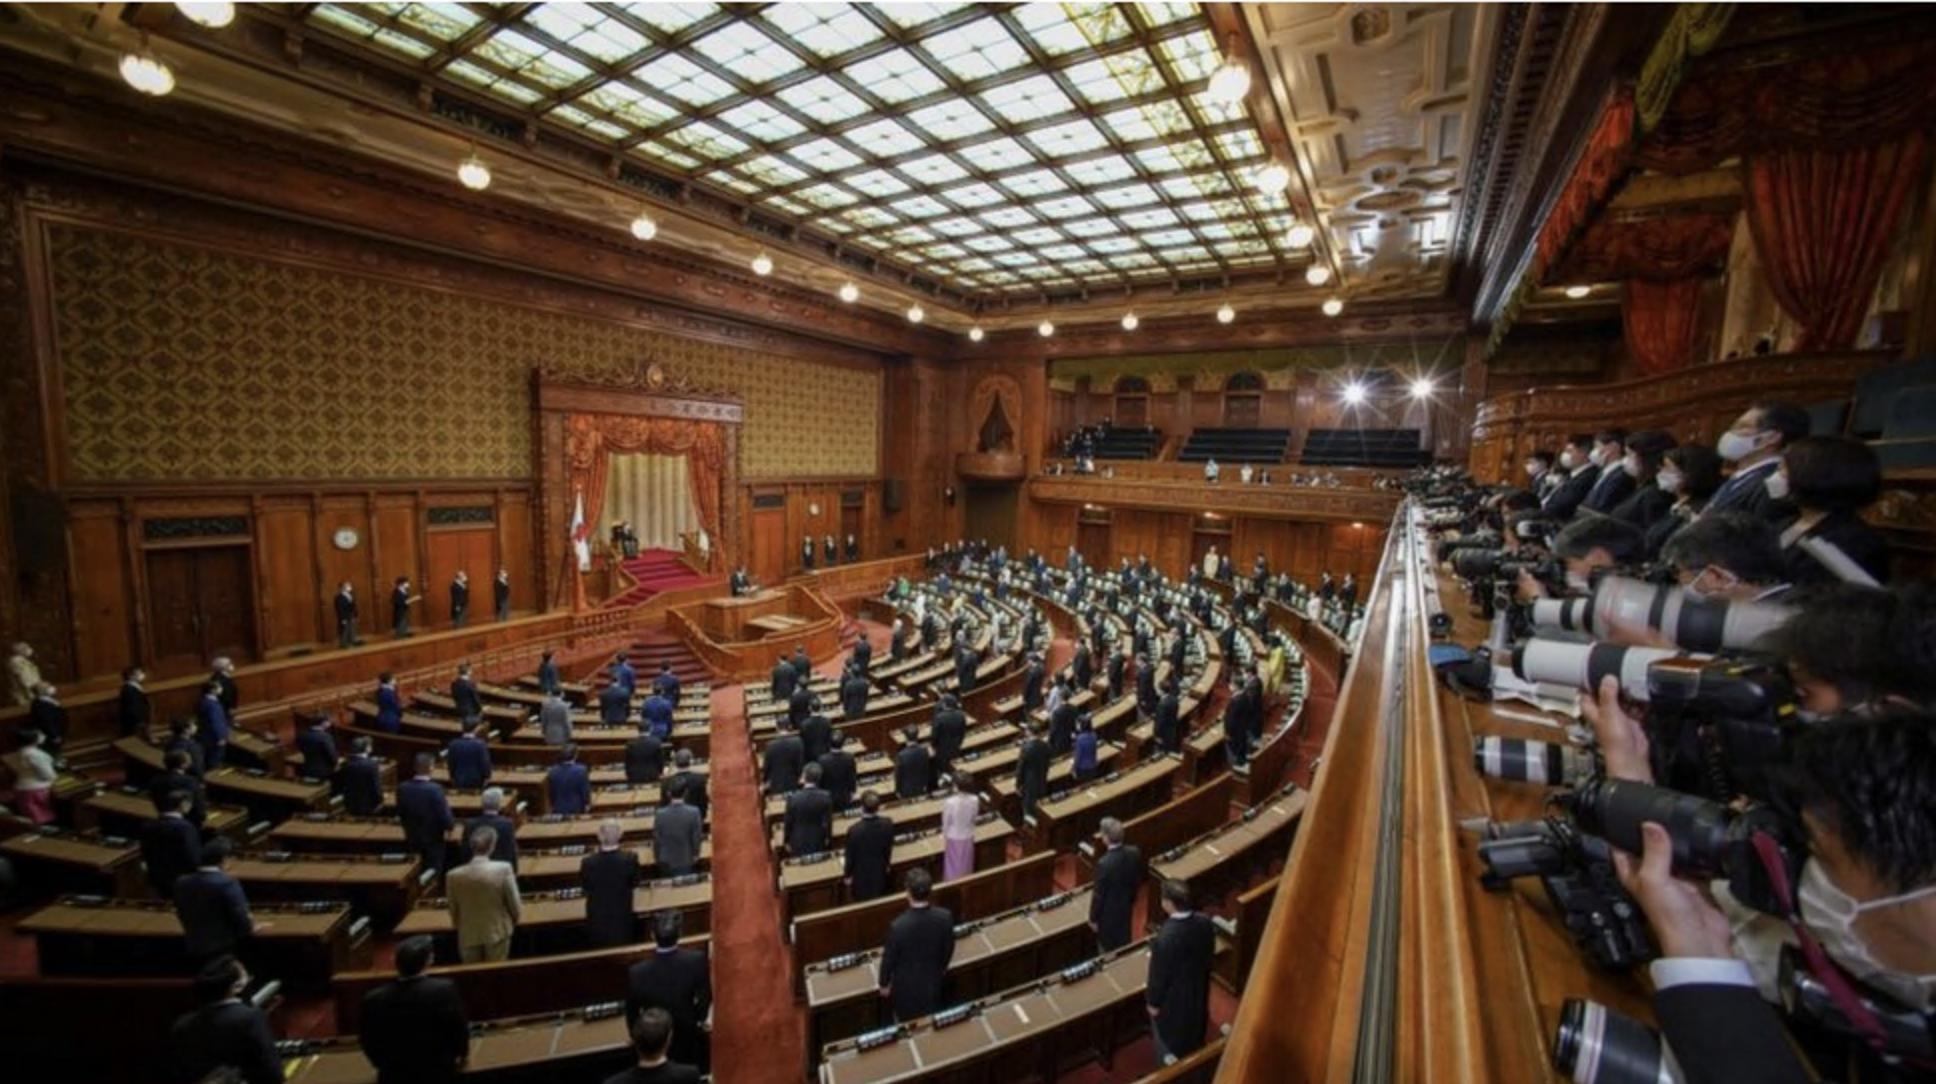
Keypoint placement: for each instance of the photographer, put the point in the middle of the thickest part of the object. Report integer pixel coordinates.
(1587, 546)
(1730, 556)
(1865, 795)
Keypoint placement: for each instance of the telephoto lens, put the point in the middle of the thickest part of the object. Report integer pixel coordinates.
(1571, 614)
(1693, 624)
(1596, 1045)
(1581, 666)
(1520, 760)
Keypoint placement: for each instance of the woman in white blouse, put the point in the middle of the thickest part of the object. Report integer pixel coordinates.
(958, 815)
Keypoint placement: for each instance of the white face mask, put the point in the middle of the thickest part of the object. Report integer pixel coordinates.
(1597, 457)
(1631, 466)
(1733, 446)
(1669, 480)
(1777, 484)
(1830, 914)
(1567, 461)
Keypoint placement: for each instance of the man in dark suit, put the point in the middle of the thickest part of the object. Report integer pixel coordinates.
(801, 704)
(682, 772)
(460, 599)
(361, 780)
(1032, 685)
(222, 673)
(175, 777)
(785, 757)
(1083, 667)
(1178, 993)
(644, 757)
(623, 675)
(666, 684)
(870, 851)
(678, 982)
(468, 759)
(920, 945)
(415, 1029)
(784, 679)
(548, 680)
(463, 691)
(854, 691)
(897, 641)
(1032, 770)
(1576, 458)
(568, 785)
(491, 815)
(400, 602)
(1243, 721)
(742, 584)
(839, 772)
(913, 766)
(1118, 665)
(966, 662)
(863, 655)
(807, 553)
(214, 914)
(389, 704)
(137, 715)
(425, 813)
(225, 1032)
(318, 748)
(950, 731)
(1062, 728)
(656, 713)
(614, 705)
(1169, 728)
(171, 846)
(816, 736)
(808, 824)
(678, 833)
(1754, 445)
(802, 665)
(652, 1035)
(1119, 878)
(1614, 484)
(608, 877)
(211, 725)
(501, 594)
(346, 616)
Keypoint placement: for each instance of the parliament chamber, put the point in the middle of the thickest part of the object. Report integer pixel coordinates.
(571, 542)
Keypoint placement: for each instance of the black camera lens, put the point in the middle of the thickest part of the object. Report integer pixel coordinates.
(1707, 838)
(1596, 1045)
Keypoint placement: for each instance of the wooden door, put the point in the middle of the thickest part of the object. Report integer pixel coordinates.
(1132, 411)
(1241, 411)
(1092, 541)
(992, 512)
(201, 604)
(852, 523)
(468, 549)
(772, 555)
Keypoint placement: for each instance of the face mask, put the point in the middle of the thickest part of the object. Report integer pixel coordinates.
(1668, 480)
(1577, 582)
(1777, 484)
(1631, 466)
(1733, 446)
(1567, 461)
(1597, 457)
(1830, 914)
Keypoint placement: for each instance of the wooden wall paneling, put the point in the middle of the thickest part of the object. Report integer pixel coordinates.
(770, 550)
(285, 560)
(515, 549)
(345, 512)
(395, 550)
(101, 591)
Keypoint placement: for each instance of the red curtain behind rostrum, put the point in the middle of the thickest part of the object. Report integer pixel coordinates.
(592, 439)
(1823, 220)
(1661, 320)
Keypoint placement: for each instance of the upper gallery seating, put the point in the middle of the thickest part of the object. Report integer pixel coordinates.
(1364, 448)
(1235, 446)
(1895, 409)
(1128, 444)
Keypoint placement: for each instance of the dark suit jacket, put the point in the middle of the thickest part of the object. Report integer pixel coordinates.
(465, 694)
(229, 695)
(608, 878)
(227, 1033)
(548, 676)
(214, 915)
(863, 653)
(853, 696)
(1032, 687)
(1566, 497)
(677, 835)
(345, 608)
(1032, 773)
(666, 1072)
(1644, 507)
(426, 817)
(569, 786)
(614, 705)
(695, 790)
(1117, 665)
(680, 982)
(1746, 491)
(507, 836)
(784, 680)
(950, 730)
(1612, 487)
(913, 772)
(1726, 1035)
(362, 782)
(1847, 532)
(460, 598)
(840, 775)
(914, 963)
(172, 848)
(160, 786)
(415, 1029)
(870, 853)
(786, 756)
(469, 762)
(808, 826)
(644, 759)
(1179, 981)
(1062, 728)
(136, 713)
(1119, 877)
(1169, 731)
(318, 749)
(389, 710)
(816, 736)
(799, 704)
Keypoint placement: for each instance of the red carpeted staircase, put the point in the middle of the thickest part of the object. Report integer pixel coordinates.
(656, 571)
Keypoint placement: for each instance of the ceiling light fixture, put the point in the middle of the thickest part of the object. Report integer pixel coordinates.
(1226, 314)
(645, 227)
(213, 16)
(1354, 393)
(1422, 388)
(472, 173)
(849, 292)
(975, 333)
(1317, 274)
(916, 314)
(1578, 292)
(1231, 81)
(1332, 306)
(1045, 329)
(762, 264)
(1130, 321)
(145, 72)
(1300, 235)
(1272, 179)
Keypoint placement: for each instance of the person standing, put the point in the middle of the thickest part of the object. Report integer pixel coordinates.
(920, 946)
(614, 704)
(491, 815)
(1169, 728)
(484, 902)
(1032, 770)
(666, 684)
(361, 779)
(624, 676)
(568, 785)
(950, 731)
(463, 693)
(318, 748)
(678, 833)
(785, 759)
(741, 583)
(400, 602)
(1178, 992)
(839, 772)
(695, 782)
(346, 616)
(608, 877)
(33, 776)
(460, 598)
(137, 714)
(222, 673)
(468, 759)
(389, 704)
(175, 778)
(1119, 877)
(425, 813)
(808, 823)
(415, 1029)
(677, 982)
(49, 716)
(554, 715)
(870, 851)
(656, 714)
(644, 757)
(958, 816)
(171, 847)
(501, 595)
(212, 725)
(913, 766)
(548, 674)
(23, 675)
(1088, 749)
(854, 693)
(214, 913)
(652, 1041)
(224, 1033)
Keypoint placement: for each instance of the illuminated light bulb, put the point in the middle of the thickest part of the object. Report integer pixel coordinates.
(1272, 179)
(849, 292)
(213, 16)
(1317, 274)
(645, 227)
(1300, 235)
(473, 174)
(1422, 388)
(975, 334)
(762, 264)
(1578, 292)
(1130, 321)
(1226, 314)
(1354, 393)
(1045, 329)
(147, 74)
(1332, 306)
(916, 314)
(1231, 81)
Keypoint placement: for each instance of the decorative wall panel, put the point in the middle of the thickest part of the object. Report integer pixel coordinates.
(183, 363)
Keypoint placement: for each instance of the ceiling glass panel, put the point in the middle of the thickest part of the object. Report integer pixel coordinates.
(925, 132)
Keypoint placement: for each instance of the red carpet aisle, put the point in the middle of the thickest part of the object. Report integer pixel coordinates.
(655, 571)
(758, 1035)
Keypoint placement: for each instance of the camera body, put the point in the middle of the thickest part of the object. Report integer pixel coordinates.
(1576, 870)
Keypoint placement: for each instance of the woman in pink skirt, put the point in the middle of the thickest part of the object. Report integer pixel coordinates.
(958, 815)
(34, 772)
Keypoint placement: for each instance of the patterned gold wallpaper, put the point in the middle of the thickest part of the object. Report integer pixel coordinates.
(180, 363)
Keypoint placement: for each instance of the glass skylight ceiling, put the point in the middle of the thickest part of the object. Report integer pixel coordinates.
(995, 149)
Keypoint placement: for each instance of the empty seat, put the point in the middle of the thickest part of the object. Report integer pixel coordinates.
(1398, 448)
(1236, 446)
(1876, 390)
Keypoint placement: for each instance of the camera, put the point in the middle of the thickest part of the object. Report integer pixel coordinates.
(1521, 760)
(1711, 841)
(1597, 1045)
(1576, 870)
(1693, 624)
(1582, 666)
(1905, 1030)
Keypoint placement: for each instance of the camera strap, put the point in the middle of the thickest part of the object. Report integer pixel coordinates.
(1824, 969)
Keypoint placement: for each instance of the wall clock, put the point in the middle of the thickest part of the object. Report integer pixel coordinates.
(345, 538)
